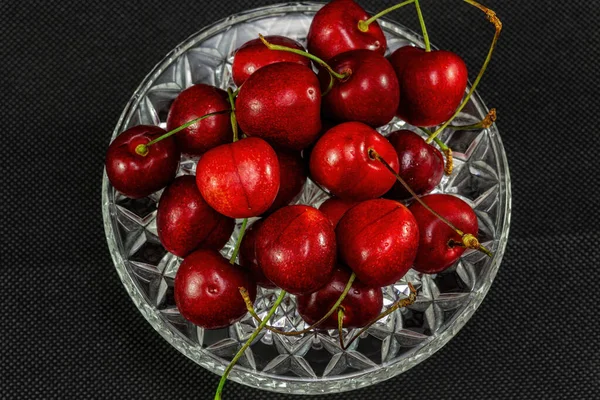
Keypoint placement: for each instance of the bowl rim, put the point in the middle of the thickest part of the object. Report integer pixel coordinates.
(292, 384)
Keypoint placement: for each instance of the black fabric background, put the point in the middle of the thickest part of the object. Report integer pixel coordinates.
(69, 329)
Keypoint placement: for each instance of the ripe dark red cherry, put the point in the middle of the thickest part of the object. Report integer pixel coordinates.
(281, 103)
(195, 102)
(361, 305)
(340, 162)
(138, 176)
(239, 179)
(421, 164)
(335, 208)
(439, 245)
(207, 290)
(295, 247)
(248, 255)
(334, 30)
(185, 222)
(292, 172)
(253, 55)
(432, 84)
(378, 240)
(369, 95)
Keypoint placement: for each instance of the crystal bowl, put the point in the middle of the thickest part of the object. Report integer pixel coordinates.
(312, 363)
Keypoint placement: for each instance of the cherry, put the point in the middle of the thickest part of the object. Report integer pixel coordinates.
(440, 245)
(292, 173)
(335, 208)
(378, 240)
(340, 162)
(295, 247)
(192, 103)
(207, 290)
(370, 94)
(253, 55)
(185, 222)
(248, 255)
(239, 179)
(421, 164)
(432, 84)
(137, 175)
(361, 305)
(335, 29)
(281, 103)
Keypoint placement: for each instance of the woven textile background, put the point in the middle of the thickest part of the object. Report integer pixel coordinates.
(68, 328)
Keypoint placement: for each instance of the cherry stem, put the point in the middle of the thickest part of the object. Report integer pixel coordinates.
(333, 309)
(363, 25)
(447, 151)
(412, 297)
(341, 326)
(485, 123)
(491, 16)
(423, 28)
(234, 125)
(332, 74)
(238, 243)
(247, 344)
(142, 149)
(469, 240)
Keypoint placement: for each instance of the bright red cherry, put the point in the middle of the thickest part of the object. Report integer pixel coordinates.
(195, 102)
(361, 305)
(432, 84)
(378, 240)
(138, 176)
(369, 95)
(207, 290)
(335, 208)
(439, 245)
(248, 255)
(340, 162)
(239, 179)
(292, 172)
(185, 222)
(253, 55)
(421, 164)
(281, 103)
(334, 30)
(295, 247)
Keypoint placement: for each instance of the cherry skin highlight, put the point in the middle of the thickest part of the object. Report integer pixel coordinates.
(137, 176)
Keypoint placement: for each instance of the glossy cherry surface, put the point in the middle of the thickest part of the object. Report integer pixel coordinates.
(335, 208)
(292, 175)
(248, 255)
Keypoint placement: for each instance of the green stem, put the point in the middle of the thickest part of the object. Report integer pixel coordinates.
(423, 28)
(234, 125)
(491, 16)
(142, 149)
(236, 249)
(485, 123)
(363, 26)
(447, 151)
(247, 344)
(341, 326)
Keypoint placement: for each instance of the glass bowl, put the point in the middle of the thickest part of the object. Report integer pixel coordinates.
(312, 363)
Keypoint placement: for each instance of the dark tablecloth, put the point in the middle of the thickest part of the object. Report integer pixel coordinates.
(69, 329)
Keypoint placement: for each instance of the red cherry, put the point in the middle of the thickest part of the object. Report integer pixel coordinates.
(361, 305)
(369, 95)
(340, 162)
(421, 164)
(281, 103)
(432, 84)
(248, 255)
(436, 238)
(335, 208)
(334, 30)
(296, 250)
(378, 240)
(207, 290)
(253, 55)
(292, 173)
(239, 179)
(138, 176)
(195, 102)
(185, 222)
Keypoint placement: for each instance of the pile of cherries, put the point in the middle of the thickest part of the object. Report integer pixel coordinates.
(257, 146)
